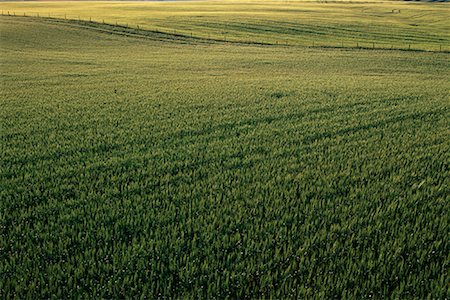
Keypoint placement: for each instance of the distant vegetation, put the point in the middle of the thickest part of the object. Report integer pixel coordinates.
(157, 165)
(331, 23)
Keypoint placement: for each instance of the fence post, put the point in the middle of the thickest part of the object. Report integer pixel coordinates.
(409, 47)
(373, 45)
(440, 48)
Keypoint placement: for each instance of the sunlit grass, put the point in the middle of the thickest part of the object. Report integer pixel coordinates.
(422, 25)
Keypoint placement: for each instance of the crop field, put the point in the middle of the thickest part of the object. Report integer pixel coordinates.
(424, 26)
(151, 164)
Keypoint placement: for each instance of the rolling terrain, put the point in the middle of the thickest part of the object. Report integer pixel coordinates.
(157, 164)
(424, 26)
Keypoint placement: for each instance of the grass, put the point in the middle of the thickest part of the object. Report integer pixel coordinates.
(398, 24)
(135, 167)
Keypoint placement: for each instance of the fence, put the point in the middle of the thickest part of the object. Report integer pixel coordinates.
(141, 31)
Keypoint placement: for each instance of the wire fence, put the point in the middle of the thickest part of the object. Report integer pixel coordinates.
(144, 30)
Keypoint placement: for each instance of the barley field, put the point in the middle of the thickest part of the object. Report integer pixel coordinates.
(142, 163)
(396, 24)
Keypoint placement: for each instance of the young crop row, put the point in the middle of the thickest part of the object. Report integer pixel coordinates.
(145, 169)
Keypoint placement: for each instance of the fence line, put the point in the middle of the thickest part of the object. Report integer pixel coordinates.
(313, 44)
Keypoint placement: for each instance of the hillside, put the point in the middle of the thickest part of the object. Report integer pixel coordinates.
(160, 165)
(374, 24)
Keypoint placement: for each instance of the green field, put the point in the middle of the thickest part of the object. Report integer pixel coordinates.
(149, 165)
(424, 26)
